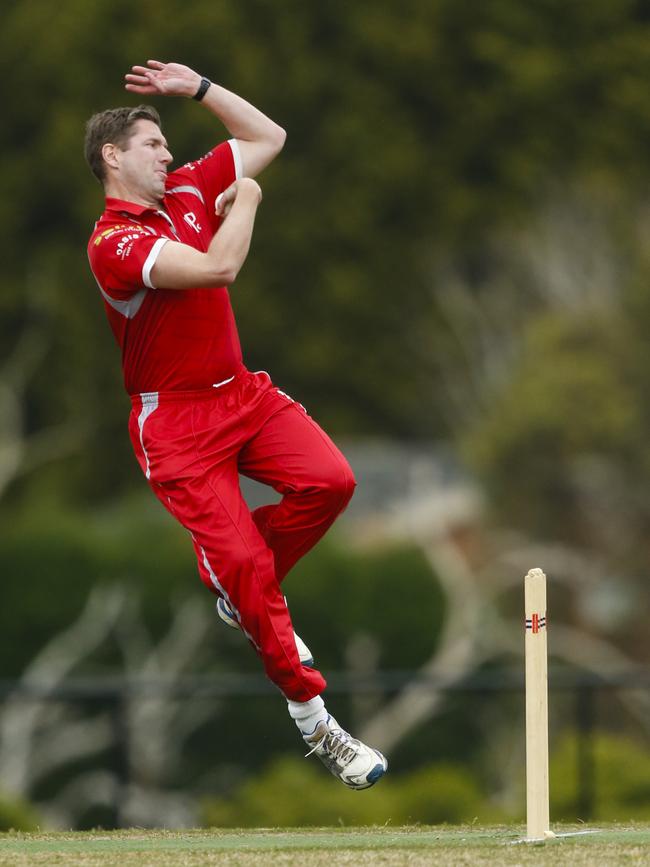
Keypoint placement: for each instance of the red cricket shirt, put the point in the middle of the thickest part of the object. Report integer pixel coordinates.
(171, 340)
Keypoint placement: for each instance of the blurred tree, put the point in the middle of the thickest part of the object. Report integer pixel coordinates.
(550, 384)
(572, 401)
(414, 132)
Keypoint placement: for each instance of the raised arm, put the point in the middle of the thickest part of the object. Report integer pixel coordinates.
(260, 139)
(179, 266)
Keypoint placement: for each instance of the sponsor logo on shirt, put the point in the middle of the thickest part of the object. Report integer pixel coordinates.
(190, 219)
(120, 227)
(125, 244)
(192, 166)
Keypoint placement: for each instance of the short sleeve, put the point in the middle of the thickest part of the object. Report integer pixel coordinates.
(211, 174)
(122, 257)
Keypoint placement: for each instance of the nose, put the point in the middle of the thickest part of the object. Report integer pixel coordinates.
(167, 156)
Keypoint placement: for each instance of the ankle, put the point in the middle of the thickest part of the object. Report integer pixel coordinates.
(308, 714)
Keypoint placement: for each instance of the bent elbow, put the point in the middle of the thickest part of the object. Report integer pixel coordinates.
(225, 274)
(221, 277)
(229, 277)
(280, 138)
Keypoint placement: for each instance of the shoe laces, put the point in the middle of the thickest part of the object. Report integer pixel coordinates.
(338, 744)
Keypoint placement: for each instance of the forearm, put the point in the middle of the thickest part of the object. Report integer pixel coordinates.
(242, 120)
(230, 245)
(180, 266)
(260, 139)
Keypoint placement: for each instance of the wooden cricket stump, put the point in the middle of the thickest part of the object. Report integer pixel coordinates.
(537, 792)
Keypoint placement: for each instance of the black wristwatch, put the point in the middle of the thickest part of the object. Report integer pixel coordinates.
(203, 89)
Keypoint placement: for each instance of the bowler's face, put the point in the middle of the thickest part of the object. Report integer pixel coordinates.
(143, 163)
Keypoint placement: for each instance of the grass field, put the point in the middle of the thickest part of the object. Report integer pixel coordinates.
(475, 845)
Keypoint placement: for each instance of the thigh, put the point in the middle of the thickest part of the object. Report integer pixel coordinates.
(190, 452)
(291, 451)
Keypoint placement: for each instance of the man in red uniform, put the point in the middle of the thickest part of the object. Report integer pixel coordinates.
(163, 253)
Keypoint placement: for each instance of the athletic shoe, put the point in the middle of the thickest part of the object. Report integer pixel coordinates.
(226, 613)
(356, 765)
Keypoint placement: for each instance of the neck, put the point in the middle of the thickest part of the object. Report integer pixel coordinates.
(117, 190)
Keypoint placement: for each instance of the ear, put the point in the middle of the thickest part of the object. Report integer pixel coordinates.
(109, 155)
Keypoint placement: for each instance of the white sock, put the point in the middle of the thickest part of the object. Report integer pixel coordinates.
(307, 714)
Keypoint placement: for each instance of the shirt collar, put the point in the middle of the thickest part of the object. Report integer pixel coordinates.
(131, 208)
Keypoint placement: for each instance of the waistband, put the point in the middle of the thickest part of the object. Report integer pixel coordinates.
(156, 398)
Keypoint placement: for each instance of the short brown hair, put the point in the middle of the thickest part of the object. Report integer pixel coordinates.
(113, 125)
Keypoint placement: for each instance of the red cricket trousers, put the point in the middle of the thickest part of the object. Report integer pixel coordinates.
(192, 447)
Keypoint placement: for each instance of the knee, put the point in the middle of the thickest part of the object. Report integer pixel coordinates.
(336, 481)
(347, 482)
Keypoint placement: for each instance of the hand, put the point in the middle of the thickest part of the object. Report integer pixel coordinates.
(226, 200)
(169, 79)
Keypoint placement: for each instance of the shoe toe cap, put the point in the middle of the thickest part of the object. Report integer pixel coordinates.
(375, 774)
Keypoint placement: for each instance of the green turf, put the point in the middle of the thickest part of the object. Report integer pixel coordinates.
(609, 844)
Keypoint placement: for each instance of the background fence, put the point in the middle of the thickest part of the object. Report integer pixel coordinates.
(577, 703)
